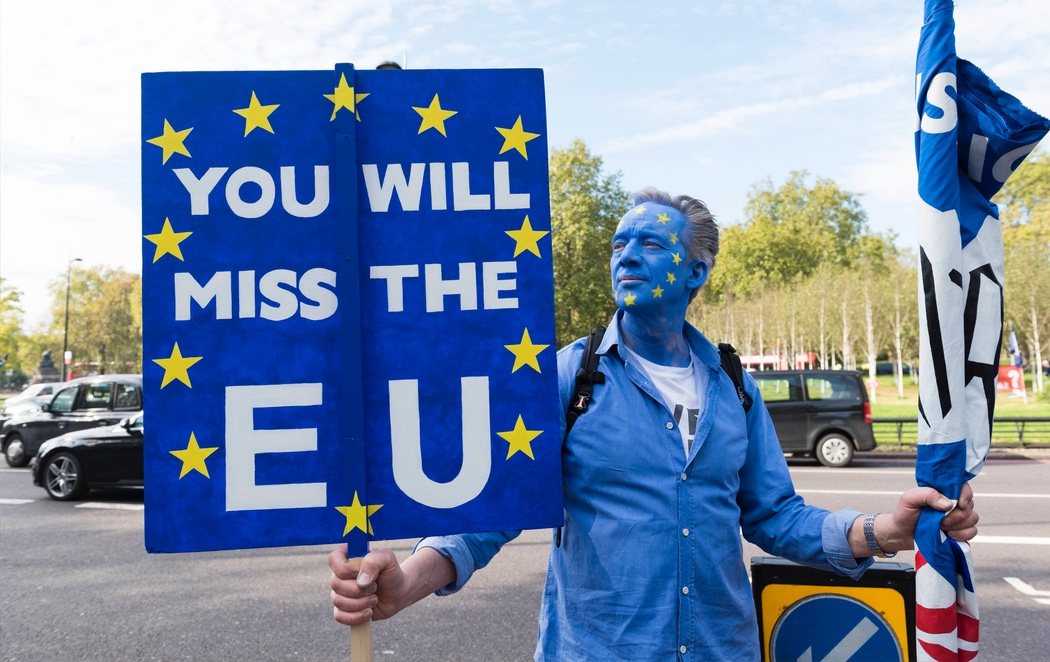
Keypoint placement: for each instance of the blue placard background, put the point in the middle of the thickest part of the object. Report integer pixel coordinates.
(342, 363)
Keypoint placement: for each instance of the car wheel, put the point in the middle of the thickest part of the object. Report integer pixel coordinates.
(64, 478)
(15, 451)
(834, 450)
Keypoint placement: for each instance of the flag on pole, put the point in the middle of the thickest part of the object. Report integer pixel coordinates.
(970, 137)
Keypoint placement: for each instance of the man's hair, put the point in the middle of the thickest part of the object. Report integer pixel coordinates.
(701, 235)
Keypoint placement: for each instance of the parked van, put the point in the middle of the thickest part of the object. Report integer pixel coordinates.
(824, 413)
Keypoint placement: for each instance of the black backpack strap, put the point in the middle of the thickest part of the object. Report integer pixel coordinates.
(586, 377)
(730, 361)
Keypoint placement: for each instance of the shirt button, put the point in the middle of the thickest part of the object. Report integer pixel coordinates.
(685, 590)
(685, 476)
(669, 425)
(682, 649)
(685, 532)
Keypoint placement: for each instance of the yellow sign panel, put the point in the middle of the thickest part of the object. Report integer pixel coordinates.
(780, 600)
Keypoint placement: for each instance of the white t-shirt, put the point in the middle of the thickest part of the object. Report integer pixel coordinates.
(682, 390)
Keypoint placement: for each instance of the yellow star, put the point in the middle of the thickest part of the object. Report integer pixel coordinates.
(357, 516)
(256, 115)
(177, 367)
(639, 210)
(343, 97)
(670, 278)
(629, 299)
(167, 241)
(677, 258)
(515, 138)
(193, 457)
(525, 353)
(358, 96)
(170, 142)
(663, 218)
(520, 439)
(658, 292)
(434, 116)
(674, 238)
(527, 239)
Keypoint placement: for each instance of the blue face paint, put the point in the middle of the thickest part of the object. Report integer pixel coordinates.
(649, 265)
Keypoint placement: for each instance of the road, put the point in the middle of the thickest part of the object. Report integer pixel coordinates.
(76, 583)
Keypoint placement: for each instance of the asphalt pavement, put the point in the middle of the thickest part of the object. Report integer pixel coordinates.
(77, 584)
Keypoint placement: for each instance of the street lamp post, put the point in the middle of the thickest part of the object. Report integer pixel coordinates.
(65, 333)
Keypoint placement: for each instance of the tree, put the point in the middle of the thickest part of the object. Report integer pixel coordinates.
(1024, 204)
(788, 233)
(11, 335)
(586, 205)
(105, 319)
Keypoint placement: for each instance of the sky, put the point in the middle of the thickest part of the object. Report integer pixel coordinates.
(705, 98)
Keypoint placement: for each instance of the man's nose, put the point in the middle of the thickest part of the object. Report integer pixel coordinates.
(629, 254)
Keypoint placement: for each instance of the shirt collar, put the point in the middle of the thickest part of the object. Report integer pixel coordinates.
(698, 343)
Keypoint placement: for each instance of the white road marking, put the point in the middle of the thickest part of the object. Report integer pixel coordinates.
(1026, 588)
(14, 471)
(979, 495)
(853, 472)
(1012, 540)
(110, 506)
(15, 502)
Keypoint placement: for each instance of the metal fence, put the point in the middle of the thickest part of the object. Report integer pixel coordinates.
(1007, 432)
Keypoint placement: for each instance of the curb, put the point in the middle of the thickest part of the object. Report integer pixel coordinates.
(1027, 453)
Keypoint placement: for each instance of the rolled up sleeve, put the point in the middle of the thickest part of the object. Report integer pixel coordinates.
(468, 552)
(835, 538)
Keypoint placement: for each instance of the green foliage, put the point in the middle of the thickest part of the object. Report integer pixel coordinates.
(11, 335)
(105, 317)
(788, 233)
(586, 205)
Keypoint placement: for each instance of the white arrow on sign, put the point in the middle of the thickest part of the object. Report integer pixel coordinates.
(849, 645)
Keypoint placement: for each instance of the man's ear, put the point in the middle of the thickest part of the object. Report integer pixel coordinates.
(698, 273)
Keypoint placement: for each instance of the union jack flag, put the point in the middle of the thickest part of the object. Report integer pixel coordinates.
(970, 137)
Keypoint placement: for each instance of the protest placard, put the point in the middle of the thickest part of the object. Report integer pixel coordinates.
(347, 307)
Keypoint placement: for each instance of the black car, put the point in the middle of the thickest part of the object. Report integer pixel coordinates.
(87, 402)
(68, 466)
(824, 413)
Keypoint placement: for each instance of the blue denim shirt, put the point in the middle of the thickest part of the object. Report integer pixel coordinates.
(650, 565)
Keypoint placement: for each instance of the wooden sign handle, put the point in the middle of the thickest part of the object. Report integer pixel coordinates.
(361, 642)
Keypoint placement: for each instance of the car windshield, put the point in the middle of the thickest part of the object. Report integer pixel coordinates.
(833, 387)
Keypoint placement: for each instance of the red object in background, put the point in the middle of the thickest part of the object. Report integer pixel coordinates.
(1010, 378)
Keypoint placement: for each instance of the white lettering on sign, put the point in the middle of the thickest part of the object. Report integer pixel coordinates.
(938, 97)
(464, 287)
(200, 191)
(244, 442)
(284, 294)
(407, 452)
(408, 189)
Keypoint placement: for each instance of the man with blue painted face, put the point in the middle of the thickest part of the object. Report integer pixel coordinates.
(660, 477)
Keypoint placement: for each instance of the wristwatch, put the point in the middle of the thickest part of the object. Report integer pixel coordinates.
(869, 537)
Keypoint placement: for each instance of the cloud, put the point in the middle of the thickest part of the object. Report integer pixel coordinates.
(742, 116)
